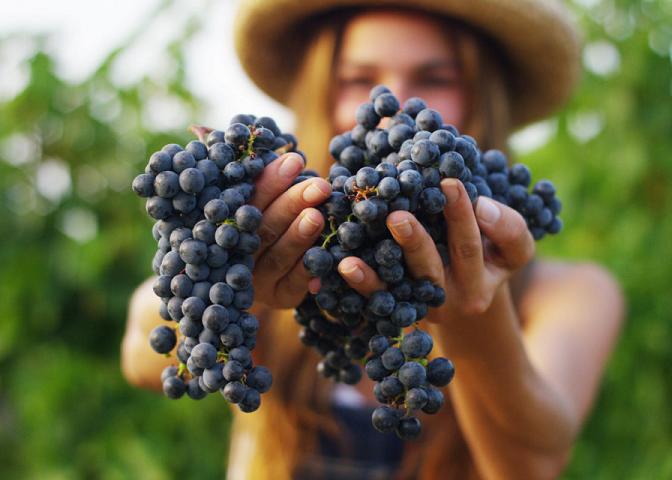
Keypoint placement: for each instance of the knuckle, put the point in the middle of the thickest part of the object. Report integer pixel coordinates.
(296, 204)
(273, 263)
(293, 286)
(474, 305)
(267, 234)
(467, 250)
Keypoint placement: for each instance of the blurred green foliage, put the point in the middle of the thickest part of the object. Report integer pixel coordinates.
(72, 254)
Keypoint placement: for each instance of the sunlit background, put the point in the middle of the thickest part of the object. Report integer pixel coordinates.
(89, 89)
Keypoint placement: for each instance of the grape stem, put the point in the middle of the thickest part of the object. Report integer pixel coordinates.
(331, 235)
(200, 131)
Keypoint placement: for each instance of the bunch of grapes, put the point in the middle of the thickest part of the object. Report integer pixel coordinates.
(377, 171)
(206, 233)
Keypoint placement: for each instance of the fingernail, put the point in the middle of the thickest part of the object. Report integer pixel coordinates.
(353, 273)
(402, 229)
(451, 192)
(307, 226)
(313, 193)
(290, 166)
(487, 211)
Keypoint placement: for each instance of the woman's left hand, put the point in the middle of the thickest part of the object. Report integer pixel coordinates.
(478, 267)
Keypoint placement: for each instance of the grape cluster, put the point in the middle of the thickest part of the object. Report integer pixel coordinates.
(377, 171)
(206, 233)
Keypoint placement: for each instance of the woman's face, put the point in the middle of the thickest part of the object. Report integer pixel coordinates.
(407, 52)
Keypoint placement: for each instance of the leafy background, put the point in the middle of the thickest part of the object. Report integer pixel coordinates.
(75, 242)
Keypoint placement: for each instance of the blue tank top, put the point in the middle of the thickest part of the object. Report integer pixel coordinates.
(362, 453)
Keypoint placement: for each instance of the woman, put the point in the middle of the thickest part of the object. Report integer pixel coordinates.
(529, 339)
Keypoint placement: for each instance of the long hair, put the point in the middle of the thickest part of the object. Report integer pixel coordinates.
(270, 443)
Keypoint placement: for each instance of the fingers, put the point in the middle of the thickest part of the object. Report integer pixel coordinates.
(291, 289)
(281, 257)
(284, 209)
(360, 276)
(464, 237)
(276, 179)
(507, 231)
(422, 258)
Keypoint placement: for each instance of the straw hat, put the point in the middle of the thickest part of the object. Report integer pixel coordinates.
(538, 36)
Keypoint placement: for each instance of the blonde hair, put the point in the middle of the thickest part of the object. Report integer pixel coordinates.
(297, 407)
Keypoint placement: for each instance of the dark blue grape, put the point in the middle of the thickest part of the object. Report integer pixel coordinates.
(416, 344)
(338, 144)
(428, 119)
(412, 374)
(350, 235)
(385, 419)
(377, 91)
(234, 392)
(172, 149)
(392, 358)
(381, 303)
(391, 387)
(352, 158)
(375, 369)
(425, 153)
(435, 401)
(193, 308)
(213, 377)
(494, 161)
(248, 218)
(440, 372)
(250, 402)
(366, 116)
(193, 251)
(398, 134)
(408, 428)
(378, 344)
(181, 285)
(413, 106)
(232, 336)
(432, 200)
(237, 134)
(162, 339)
(194, 391)
(410, 182)
(204, 355)
(174, 387)
(222, 154)
(234, 172)
(160, 162)
(519, 174)
(260, 379)
(416, 398)
(386, 104)
(166, 184)
(239, 277)
(143, 185)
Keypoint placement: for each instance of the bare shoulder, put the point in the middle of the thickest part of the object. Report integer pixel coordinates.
(557, 285)
(139, 363)
(143, 308)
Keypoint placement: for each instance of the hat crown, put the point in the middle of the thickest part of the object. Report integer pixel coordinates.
(538, 37)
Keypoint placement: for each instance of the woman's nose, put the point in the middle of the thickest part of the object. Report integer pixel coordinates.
(400, 86)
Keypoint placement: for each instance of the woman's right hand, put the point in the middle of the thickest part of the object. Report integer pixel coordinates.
(289, 227)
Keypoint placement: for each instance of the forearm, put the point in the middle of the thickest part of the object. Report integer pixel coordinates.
(140, 365)
(517, 426)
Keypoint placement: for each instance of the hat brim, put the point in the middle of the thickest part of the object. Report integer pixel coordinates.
(537, 36)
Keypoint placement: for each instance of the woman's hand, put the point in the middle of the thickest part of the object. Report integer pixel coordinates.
(289, 227)
(478, 268)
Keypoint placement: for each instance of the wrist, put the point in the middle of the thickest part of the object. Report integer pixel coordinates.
(469, 336)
